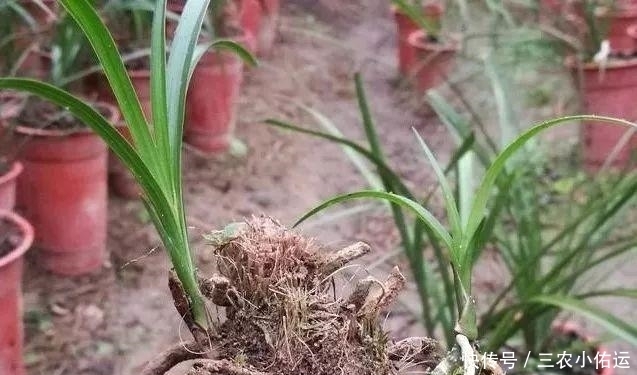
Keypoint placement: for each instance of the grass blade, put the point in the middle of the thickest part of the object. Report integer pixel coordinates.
(486, 187)
(179, 71)
(158, 91)
(106, 50)
(422, 213)
(450, 202)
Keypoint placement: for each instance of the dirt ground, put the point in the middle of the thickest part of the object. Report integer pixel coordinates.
(112, 322)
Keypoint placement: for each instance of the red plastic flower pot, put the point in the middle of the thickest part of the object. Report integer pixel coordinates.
(619, 22)
(610, 92)
(250, 14)
(433, 61)
(404, 28)
(211, 113)
(8, 186)
(63, 192)
(269, 25)
(11, 331)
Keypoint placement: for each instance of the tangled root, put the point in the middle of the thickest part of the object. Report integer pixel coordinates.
(280, 315)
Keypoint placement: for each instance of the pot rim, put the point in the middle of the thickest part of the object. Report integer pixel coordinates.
(112, 118)
(572, 62)
(416, 40)
(14, 171)
(27, 237)
(625, 11)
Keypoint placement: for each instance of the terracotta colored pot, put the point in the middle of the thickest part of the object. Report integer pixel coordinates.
(63, 192)
(8, 186)
(250, 15)
(568, 328)
(212, 101)
(610, 92)
(619, 22)
(433, 61)
(11, 330)
(269, 25)
(405, 27)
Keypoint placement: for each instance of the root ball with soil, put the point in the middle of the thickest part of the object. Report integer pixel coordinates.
(277, 311)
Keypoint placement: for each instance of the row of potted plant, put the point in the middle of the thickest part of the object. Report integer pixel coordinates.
(600, 39)
(56, 170)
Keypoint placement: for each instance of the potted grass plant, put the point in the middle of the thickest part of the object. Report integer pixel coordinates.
(604, 67)
(544, 268)
(62, 189)
(427, 54)
(406, 24)
(16, 236)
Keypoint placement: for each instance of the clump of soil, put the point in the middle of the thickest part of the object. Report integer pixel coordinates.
(282, 314)
(10, 237)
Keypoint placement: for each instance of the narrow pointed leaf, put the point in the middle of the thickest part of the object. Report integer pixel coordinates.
(450, 202)
(486, 187)
(179, 69)
(158, 92)
(420, 212)
(106, 50)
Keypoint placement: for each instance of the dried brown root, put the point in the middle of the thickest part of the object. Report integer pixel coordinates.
(344, 256)
(221, 367)
(172, 357)
(279, 314)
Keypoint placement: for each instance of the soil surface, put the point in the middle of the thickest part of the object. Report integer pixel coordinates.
(114, 321)
(42, 114)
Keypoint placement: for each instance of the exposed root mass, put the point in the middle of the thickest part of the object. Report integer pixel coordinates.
(281, 316)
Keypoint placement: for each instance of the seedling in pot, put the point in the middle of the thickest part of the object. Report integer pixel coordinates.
(153, 155)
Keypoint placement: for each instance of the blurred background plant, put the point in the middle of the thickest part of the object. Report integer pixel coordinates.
(551, 231)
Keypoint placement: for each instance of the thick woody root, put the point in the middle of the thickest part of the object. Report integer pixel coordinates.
(280, 316)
